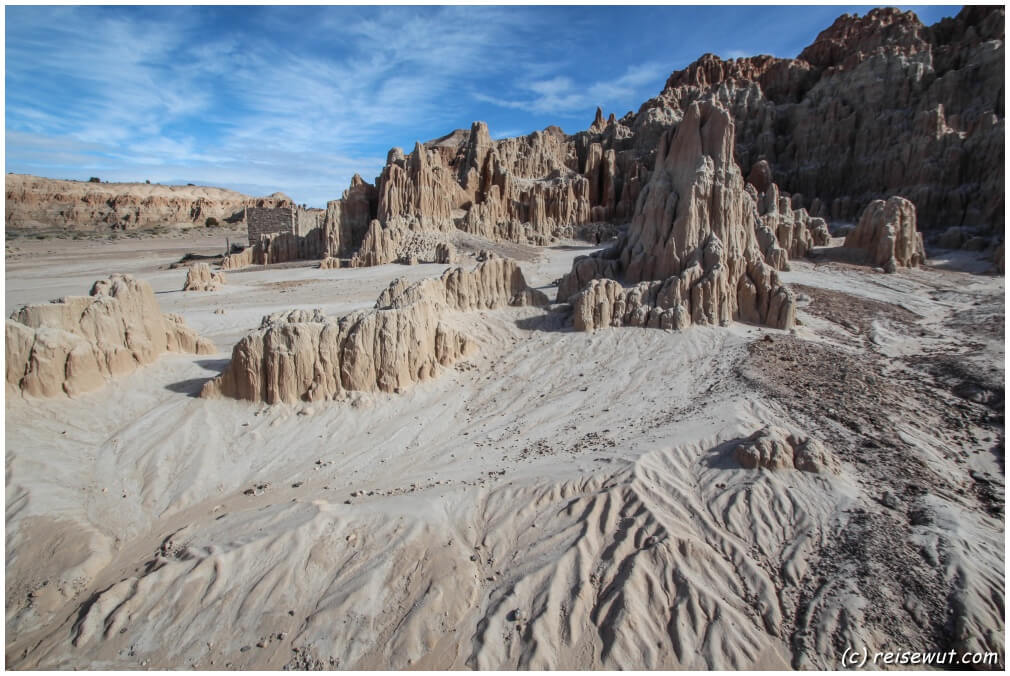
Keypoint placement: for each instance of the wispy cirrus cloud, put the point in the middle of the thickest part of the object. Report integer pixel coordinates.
(164, 93)
(561, 95)
(298, 99)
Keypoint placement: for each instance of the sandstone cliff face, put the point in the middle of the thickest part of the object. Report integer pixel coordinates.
(75, 344)
(691, 241)
(528, 189)
(199, 277)
(33, 202)
(347, 218)
(887, 233)
(307, 356)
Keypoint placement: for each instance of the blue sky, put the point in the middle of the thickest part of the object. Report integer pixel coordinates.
(298, 99)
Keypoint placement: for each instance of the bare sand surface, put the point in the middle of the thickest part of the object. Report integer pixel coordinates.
(558, 500)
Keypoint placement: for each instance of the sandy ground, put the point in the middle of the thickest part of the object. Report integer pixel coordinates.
(559, 500)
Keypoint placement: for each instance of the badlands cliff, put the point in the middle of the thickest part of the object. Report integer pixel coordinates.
(298, 355)
(75, 344)
(877, 106)
(33, 202)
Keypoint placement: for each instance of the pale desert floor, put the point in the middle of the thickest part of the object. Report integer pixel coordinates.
(561, 499)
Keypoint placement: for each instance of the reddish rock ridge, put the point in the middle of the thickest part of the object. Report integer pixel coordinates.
(34, 202)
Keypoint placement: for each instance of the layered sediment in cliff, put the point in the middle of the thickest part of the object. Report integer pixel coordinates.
(34, 202)
(878, 105)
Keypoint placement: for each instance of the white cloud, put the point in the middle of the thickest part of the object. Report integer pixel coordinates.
(152, 94)
(560, 95)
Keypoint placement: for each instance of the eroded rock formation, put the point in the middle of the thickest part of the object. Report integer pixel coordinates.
(34, 202)
(878, 105)
(691, 247)
(199, 277)
(775, 448)
(305, 355)
(75, 344)
(528, 189)
(785, 233)
(347, 218)
(887, 233)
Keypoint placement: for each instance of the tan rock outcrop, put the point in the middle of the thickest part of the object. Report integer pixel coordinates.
(526, 189)
(305, 355)
(692, 240)
(492, 284)
(330, 263)
(378, 350)
(239, 260)
(445, 253)
(785, 233)
(75, 344)
(347, 219)
(199, 277)
(887, 233)
(34, 202)
(406, 243)
(775, 448)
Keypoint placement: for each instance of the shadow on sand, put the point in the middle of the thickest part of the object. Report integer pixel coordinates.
(192, 386)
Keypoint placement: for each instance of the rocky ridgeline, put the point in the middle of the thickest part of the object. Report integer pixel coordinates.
(34, 202)
(877, 106)
(307, 356)
(691, 250)
(73, 345)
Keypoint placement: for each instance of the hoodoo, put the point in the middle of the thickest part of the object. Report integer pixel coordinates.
(691, 249)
